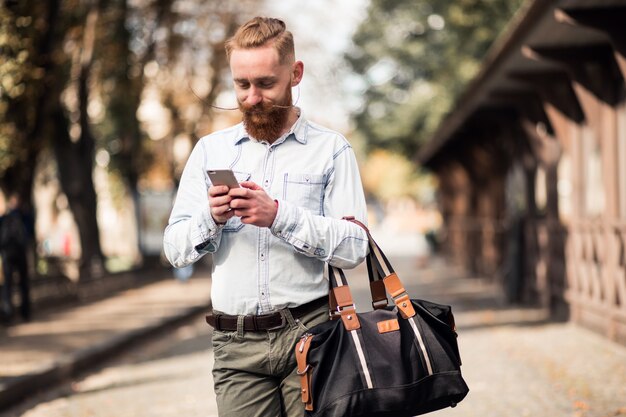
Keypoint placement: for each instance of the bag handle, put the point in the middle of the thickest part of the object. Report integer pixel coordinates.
(391, 282)
(375, 270)
(340, 299)
(379, 271)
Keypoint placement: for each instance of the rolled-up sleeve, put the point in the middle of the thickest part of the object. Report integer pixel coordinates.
(340, 243)
(191, 231)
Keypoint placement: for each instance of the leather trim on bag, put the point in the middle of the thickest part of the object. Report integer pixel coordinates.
(350, 319)
(346, 309)
(305, 371)
(379, 296)
(400, 297)
(393, 285)
(388, 326)
(343, 296)
(405, 306)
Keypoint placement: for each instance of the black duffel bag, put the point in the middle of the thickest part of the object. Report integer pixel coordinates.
(400, 360)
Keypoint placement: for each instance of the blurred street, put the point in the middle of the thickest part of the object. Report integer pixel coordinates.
(515, 362)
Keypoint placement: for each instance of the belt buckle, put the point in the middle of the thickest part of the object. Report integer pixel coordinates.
(283, 322)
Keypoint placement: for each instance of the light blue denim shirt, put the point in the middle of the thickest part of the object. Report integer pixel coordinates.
(312, 172)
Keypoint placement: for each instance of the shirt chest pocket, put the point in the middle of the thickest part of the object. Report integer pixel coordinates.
(234, 223)
(305, 190)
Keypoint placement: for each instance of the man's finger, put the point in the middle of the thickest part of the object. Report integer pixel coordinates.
(217, 190)
(250, 185)
(239, 192)
(240, 203)
(222, 211)
(247, 219)
(220, 201)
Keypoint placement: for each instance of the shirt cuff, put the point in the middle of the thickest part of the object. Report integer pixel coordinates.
(207, 234)
(285, 227)
(285, 221)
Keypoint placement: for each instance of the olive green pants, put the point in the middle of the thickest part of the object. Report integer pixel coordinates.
(255, 372)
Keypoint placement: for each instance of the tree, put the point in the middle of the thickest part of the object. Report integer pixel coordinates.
(27, 41)
(414, 58)
(61, 59)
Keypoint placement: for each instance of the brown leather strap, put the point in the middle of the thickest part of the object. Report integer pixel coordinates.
(379, 295)
(343, 296)
(304, 370)
(340, 298)
(400, 297)
(346, 308)
(377, 262)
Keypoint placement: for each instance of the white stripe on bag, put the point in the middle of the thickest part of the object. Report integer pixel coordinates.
(355, 336)
(429, 368)
(359, 351)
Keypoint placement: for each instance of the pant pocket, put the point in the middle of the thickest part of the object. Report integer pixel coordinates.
(308, 321)
(222, 339)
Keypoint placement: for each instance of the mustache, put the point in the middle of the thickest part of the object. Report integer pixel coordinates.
(255, 108)
(262, 107)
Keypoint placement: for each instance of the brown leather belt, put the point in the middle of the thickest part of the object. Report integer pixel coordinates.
(271, 321)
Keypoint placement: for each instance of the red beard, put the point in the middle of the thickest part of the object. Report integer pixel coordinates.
(264, 121)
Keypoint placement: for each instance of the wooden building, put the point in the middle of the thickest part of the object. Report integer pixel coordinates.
(532, 163)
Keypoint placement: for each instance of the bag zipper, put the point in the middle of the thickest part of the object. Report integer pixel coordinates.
(303, 339)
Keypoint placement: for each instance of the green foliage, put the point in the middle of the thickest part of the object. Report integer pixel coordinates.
(18, 83)
(415, 57)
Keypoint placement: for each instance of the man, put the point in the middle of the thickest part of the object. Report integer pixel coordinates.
(14, 237)
(271, 236)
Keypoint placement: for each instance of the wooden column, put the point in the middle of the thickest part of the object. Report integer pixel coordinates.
(454, 189)
(621, 158)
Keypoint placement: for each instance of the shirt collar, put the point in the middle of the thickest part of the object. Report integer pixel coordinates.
(298, 130)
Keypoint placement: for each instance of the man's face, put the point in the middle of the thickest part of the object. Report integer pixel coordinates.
(263, 88)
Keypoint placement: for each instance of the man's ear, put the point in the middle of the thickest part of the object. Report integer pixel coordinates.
(297, 73)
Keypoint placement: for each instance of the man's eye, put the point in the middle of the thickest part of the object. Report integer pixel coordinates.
(243, 85)
(266, 85)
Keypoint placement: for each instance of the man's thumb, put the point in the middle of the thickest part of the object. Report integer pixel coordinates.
(250, 185)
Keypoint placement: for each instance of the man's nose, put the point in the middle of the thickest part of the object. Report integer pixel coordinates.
(254, 96)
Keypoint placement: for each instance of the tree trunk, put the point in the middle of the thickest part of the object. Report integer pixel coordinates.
(75, 166)
(75, 160)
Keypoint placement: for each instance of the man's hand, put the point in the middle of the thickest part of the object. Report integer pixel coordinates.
(253, 204)
(219, 200)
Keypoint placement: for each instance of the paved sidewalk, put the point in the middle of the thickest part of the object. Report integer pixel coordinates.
(55, 346)
(516, 362)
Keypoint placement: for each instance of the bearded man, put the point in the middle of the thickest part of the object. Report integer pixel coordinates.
(271, 236)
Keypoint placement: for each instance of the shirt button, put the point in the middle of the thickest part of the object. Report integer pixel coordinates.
(262, 256)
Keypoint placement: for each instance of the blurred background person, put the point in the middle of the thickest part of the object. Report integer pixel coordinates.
(15, 234)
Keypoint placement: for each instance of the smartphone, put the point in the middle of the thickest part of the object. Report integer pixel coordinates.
(223, 177)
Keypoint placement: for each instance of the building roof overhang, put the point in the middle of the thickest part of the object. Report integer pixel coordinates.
(540, 45)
